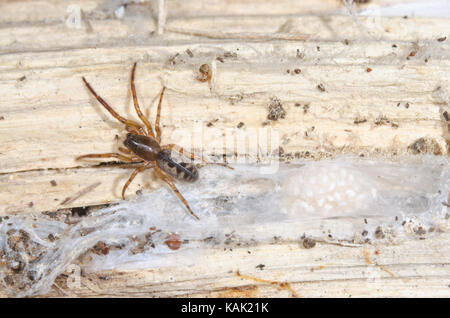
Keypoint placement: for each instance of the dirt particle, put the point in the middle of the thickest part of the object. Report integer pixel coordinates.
(240, 125)
(394, 45)
(101, 248)
(205, 73)
(276, 110)
(173, 241)
(381, 120)
(189, 52)
(421, 231)
(368, 70)
(309, 243)
(230, 55)
(346, 42)
(260, 266)
(359, 121)
(236, 99)
(297, 71)
(379, 233)
(442, 39)
(300, 55)
(411, 54)
(425, 145)
(30, 204)
(445, 114)
(53, 183)
(321, 87)
(22, 78)
(2, 118)
(172, 59)
(305, 108)
(212, 122)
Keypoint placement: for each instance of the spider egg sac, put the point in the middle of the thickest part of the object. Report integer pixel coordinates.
(327, 189)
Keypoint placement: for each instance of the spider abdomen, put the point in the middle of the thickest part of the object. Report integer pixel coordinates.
(184, 171)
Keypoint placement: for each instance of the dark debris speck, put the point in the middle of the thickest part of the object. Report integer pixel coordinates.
(276, 110)
(309, 243)
(321, 87)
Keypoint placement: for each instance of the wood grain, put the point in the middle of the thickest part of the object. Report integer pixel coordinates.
(49, 117)
(369, 86)
(418, 268)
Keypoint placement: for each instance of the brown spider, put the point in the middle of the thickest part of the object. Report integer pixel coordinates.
(143, 146)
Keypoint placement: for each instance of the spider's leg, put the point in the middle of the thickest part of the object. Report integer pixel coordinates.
(125, 150)
(135, 172)
(134, 131)
(192, 156)
(158, 115)
(125, 121)
(110, 155)
(169, 181)
(136, 104)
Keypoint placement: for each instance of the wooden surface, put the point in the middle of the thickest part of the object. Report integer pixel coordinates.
(419, 268)
(385, 86)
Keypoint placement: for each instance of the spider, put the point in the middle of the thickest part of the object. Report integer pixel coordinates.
(143, 145)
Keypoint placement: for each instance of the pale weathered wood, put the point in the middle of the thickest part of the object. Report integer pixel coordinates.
(39, 11)
(386, 85)
(49, 117)
(418, 268)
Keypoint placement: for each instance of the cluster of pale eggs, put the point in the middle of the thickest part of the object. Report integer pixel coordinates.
(327, 190)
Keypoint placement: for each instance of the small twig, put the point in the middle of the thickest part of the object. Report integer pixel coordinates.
(339, 243)
(86, 22)
(80, 193)
(242, 35)
(283, 285)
